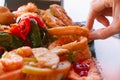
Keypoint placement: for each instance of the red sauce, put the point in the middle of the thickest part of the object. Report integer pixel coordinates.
(81, 68)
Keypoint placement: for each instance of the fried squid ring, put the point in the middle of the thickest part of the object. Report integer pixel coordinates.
(69, 30)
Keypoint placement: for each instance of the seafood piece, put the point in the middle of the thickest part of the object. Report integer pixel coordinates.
(45, 58)
(30, 7)
(79, 48)
(59, 51)
(69, 30)
(24, 51)
(11, 61)
(22, 16)
(77, 45)
(81, 55)
(63, 40)
(6, 17)
(51, 20)
(61, 14)
(81, 44)
(34, 73)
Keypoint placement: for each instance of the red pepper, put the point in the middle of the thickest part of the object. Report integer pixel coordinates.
(25, 26)
(22, 29)
(16, 30)
(39, 21)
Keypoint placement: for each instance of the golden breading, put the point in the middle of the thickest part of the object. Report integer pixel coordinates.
(69, 30)
(30, 7)
(76, 44)
(81, 44)
(51, 20)
(6, 17)
(61, 14)
(79, 48)
(63, 40)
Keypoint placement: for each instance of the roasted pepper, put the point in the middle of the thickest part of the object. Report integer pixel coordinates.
(39, 21)
(30, 31)
(22, 29)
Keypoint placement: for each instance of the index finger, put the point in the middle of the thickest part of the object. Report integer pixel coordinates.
(102, 33)
(90, 20)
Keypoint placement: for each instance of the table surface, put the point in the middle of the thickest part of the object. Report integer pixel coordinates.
(108, 54)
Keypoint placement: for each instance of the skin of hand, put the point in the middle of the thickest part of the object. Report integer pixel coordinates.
(99, 10)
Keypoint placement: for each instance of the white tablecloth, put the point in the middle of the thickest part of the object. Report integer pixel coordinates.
(108, 54)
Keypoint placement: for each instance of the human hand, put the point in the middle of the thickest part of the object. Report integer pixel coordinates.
(99, 10)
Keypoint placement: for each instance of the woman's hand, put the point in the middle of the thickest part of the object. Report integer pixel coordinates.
(99, 10)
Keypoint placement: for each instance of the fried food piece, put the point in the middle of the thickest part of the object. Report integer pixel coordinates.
(59, 51)
(63, 40)
(81, 44)
(30, 7)
(61, 14)
(11, 61)
(79, 48)
(69, 30)
(34, 73)
(6, 17)
(45, 58)
(51, 20)
(77, 45)
(24, 51)
(56, 16)
(22, 16)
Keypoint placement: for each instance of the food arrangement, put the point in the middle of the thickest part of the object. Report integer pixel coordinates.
(44, 45)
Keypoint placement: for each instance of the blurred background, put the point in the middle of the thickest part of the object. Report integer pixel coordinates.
(44, 4)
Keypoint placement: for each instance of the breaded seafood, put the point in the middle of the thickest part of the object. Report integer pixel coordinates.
(30, 7)
(61, 14)
(6, 17)
(56, 16)
(69, 30)
(51, 20)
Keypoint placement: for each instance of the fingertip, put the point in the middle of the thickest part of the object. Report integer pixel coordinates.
(90, 19)
(102, 33)
(97, 34)
(89, 24)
